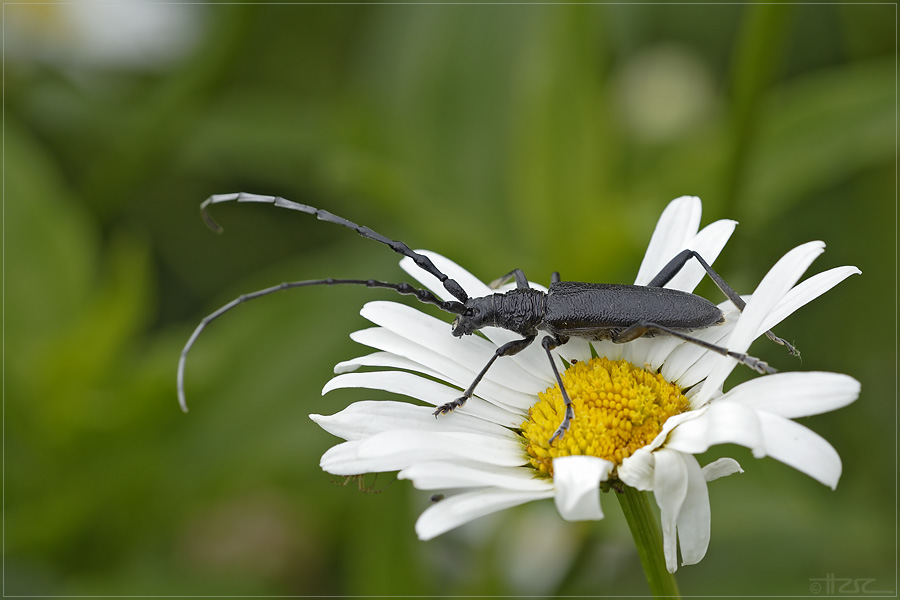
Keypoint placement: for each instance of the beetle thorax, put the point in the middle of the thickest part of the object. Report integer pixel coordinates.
(517, 310)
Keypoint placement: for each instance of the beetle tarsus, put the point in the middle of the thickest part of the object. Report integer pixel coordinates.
(447, 408)
(790, 347)
(760, 366)
(564, 426)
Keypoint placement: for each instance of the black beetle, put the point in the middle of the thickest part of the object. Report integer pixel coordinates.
(592, 311)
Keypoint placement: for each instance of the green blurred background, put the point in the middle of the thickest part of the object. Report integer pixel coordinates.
(544, 137)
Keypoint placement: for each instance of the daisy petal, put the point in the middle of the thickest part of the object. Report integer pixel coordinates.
(471, 351)
(689, 363)
(398, 449)
(804, 292)
(577, 480)
(433, 392)
(771, 290)
(693, 523)
(800, 448)
(382, 359)
(723, 423)
(450, 370)
(721, 468)
(637, 470)
(703, 362)
(457, 510)
(344, 459)
(442, 475)
(660, 351)
(766, 434)
(773, 287)
(708, 244)
(670, 483)
(793, 395)
(676, 227)
(446, 445)
(638, 351)
(370, 417)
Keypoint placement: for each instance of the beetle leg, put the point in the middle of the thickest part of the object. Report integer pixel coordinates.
(549, 343)
(554, 277)
(642, 327)
(521, 280)
(507, 349)
(674, 266)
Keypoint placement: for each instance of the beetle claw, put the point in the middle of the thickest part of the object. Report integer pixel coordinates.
(564, 426)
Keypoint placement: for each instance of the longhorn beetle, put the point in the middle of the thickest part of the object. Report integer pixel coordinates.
(593, 311)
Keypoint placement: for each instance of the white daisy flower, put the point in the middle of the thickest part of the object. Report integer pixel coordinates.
(643, 409)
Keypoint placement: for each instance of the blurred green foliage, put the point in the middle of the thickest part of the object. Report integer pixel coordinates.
(545, 137)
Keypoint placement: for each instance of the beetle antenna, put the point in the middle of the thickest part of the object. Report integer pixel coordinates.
(423, 262)
(401, 288)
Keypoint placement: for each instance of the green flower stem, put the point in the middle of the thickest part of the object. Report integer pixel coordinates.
(648, 539)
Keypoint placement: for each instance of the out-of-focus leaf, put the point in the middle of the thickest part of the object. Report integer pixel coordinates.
(819, 130)
(50, 246)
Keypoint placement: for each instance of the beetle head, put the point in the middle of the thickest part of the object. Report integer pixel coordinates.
(476, 315)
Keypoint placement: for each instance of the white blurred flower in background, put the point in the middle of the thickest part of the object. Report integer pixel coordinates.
(134, 35)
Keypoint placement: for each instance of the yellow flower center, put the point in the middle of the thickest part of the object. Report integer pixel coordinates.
(618, 409)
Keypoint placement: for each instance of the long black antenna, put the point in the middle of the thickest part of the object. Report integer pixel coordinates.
(402, 288)
(423, 262)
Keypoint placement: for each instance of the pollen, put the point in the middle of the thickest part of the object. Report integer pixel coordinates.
(619, 408)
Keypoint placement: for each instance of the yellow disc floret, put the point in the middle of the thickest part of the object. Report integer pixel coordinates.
(618, 409)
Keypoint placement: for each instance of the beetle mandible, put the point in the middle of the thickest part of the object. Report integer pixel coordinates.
(592, 311)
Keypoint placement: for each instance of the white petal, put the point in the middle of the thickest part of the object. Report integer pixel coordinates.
(462, 508)
(427, 390)
(804, 292)
(574, 349)
(688, 363)
(766, 434)
(470, 351)
(677, 225)
(708, 244)
(638, 351)
(770, 291)
(344, 459)
(693, 524)
(800, 448)
(670, 483)
(724, 422)
(670, 425)
(369, 417)
(442, 475)
(452, 445)
(449, 370)
(577, 480)
(793, 395)
(398, 449)
(637, 470)
(721, 468)
(660, 351)
(382, 359)
(705, 363)
(609, 349)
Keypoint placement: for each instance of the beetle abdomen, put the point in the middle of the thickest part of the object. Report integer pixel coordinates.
(597, 311)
